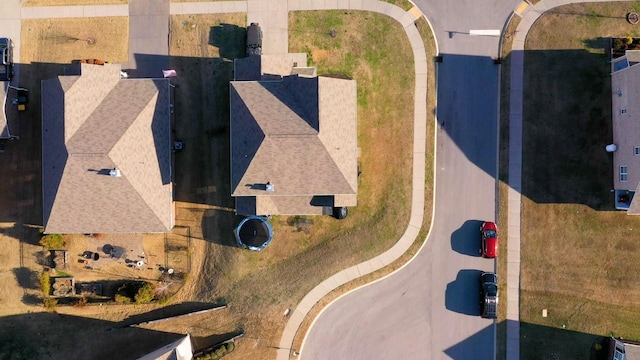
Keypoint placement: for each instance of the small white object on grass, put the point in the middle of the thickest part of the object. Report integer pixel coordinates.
(544, 312)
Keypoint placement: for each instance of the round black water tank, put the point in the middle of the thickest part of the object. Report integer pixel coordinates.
(340, 212)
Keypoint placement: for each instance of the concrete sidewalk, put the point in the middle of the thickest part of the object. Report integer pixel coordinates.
(406, 19)
(529, 15)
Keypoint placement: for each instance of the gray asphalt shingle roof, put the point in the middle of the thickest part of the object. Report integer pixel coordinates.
(96, 122)
(299, 134)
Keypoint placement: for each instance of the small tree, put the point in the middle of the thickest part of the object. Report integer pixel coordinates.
(124, 294)
(52, 241)
(122, 299)
(45, 283)
(50, 304)
(145, 293)
(82, 302)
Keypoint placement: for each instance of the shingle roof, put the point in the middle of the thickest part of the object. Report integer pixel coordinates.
(299, 134)
(96, 122)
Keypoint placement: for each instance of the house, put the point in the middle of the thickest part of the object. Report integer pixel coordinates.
(181, 349)
(106, 152)
(293, 138)
(620, 349)
(625, 110)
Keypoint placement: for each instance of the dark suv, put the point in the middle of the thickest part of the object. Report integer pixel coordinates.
(6, 60)
(254, 40)
(489, 295)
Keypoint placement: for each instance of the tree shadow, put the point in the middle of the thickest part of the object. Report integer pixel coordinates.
(227, 37)
(27, 278)
(31, 299)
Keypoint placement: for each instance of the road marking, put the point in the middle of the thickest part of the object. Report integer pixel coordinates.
(417, 14)
(485, 32)
(523, 5)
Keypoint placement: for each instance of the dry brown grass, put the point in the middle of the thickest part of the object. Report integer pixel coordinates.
(429, 44)
(260, 286)
(62, 40)
(72, 2)
(578, 255)
(257, 286)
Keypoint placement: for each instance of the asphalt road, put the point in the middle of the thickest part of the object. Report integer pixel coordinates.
(429, 309)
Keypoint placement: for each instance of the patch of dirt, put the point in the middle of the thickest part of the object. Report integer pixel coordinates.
(69, 38)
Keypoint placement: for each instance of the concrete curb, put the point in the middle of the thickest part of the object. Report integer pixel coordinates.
(529, 15)
(406, 19)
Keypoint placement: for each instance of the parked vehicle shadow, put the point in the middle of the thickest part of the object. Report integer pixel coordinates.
(466, 240)
(462, 294)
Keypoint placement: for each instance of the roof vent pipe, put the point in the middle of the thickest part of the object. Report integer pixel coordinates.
(115, 173)
(270, 187)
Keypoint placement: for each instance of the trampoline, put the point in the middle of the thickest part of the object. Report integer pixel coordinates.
(254, 233)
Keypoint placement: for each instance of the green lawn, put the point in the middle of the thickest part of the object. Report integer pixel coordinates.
(578, 255)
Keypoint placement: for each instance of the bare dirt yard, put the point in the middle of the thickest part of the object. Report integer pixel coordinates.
(578, 253)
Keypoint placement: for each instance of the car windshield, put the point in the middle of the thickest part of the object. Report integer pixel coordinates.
(491, 289)
(490, 233)
(489, 278)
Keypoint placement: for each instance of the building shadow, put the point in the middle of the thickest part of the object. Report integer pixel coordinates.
(218, 227)
(57, 336)
(563, 146)
(536, 342)
(167, 312)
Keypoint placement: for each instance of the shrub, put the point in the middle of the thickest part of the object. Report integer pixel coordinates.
(145, 293)
(218, 352)
(122, 299)
(82, 302)
(52, 241)
(138, 292)
(45, 283)
(50, 304)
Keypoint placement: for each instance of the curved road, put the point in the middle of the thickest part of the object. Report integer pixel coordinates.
(429, 309)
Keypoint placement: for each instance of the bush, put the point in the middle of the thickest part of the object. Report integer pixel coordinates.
(50, 304)
(45, 283)
(52, 241)
(218, 352)
(82, 302)
(122, 299)
(145, 293)
(140, 292)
